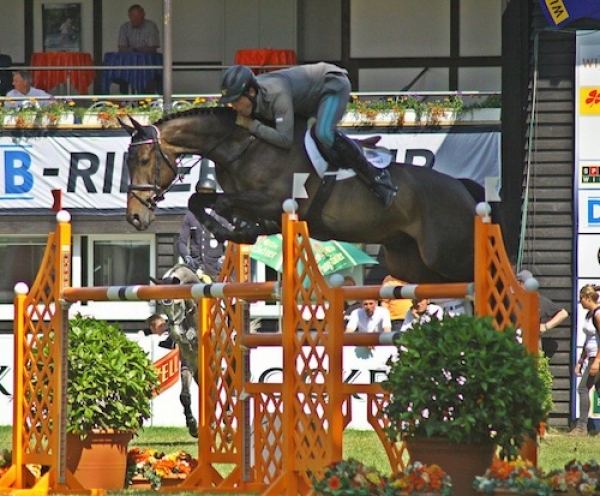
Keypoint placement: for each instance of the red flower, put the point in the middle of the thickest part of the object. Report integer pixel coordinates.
(334, 483)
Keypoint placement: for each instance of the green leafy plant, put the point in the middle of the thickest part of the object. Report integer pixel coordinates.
(463, 380)
(546, 377)
(111, 381)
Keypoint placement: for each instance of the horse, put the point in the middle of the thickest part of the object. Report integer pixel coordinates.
(183, 330)
(427, 233)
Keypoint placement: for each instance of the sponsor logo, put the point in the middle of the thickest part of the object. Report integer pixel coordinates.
(593, 209)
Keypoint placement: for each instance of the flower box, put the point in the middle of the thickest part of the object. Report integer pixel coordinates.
(141, 483)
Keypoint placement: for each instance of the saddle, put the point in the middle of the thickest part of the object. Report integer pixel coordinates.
(325, 163)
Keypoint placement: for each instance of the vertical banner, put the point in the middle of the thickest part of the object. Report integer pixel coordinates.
(587, 183)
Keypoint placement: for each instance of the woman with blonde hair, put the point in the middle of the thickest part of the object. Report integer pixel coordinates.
(588, 298)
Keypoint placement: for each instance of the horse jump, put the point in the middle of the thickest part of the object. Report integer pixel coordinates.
(298, 424)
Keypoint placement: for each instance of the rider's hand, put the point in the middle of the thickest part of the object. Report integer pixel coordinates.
(189, 261)
(243, 121)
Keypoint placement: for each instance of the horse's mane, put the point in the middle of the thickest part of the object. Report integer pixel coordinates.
(218, 110)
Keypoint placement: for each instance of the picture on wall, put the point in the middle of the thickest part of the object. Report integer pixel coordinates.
(61, 26)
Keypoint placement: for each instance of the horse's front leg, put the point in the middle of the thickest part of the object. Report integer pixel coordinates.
(243, 230)
(186, 399)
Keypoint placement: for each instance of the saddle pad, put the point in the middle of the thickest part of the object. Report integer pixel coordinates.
(377, 157)
(319, 162)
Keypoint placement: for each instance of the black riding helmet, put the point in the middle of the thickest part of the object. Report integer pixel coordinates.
(205, 185)
(236, 83)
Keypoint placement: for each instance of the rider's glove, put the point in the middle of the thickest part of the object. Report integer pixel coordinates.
(189, 261)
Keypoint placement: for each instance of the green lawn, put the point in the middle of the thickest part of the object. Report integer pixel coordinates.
(556, 448)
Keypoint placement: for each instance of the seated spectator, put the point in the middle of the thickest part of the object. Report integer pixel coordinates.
(139, 33)
(421, 311)
(370, 317)
(21, 82)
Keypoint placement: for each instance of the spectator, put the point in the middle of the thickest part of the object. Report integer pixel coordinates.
(370, 317)
(197, 245)
(589, 361)
(396, 307)
(21, 82)
(421, 311)
(156, 325)
(551, 314)
(139, 34)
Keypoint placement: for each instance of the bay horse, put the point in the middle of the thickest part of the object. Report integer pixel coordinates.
(427, 232)
(183, 330)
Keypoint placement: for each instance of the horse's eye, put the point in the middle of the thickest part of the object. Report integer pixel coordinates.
(166, 303)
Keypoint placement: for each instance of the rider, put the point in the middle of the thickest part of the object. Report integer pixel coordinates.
(314, 90)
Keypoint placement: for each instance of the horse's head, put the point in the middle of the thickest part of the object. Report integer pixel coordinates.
(152, 169)
(182, 314)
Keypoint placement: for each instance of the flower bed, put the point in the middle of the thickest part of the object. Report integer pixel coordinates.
(152, 469)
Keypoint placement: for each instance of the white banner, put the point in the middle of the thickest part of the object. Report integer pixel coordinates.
(361, 366)
(91, 172)
(587, 183)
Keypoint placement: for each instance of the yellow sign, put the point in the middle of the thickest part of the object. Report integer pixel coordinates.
(557, 10)
(589, 100)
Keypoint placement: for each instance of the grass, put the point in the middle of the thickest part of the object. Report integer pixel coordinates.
(556, 449)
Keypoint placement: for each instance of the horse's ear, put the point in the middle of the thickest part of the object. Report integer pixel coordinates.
(127, 127)
(154, 280)
(138, 127)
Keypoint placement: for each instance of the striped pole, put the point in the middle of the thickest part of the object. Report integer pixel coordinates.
(245, 291)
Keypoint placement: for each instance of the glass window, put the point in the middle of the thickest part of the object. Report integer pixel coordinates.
(20, 260)
(121, 262)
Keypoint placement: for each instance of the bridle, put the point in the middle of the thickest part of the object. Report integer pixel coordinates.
(150, 135)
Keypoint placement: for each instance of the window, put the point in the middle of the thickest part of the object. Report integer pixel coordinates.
(120, 262)
(20, 259)
(114, 260)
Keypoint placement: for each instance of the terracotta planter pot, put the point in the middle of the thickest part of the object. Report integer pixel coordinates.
(100, 460)
(462, 462)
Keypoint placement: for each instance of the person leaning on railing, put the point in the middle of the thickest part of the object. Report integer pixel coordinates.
(22, 89)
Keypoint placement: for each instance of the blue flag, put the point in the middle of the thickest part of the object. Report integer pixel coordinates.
(562, 12)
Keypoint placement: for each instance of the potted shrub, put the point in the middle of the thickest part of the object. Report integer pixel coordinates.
(457, 384)
(111, 383)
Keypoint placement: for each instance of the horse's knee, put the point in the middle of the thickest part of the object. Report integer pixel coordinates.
(185, 399)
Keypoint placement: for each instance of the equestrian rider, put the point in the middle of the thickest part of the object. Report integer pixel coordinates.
(314, 90)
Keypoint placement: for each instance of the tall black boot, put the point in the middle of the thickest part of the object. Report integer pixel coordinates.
(378, 180)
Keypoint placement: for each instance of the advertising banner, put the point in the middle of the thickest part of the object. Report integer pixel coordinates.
(587, 185)
(92, 173)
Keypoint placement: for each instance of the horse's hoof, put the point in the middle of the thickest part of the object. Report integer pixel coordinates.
(192, 426)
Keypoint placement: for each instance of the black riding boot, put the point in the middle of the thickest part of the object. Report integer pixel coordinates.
(378, 180)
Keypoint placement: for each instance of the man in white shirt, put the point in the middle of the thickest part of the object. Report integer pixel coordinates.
(22, 88)
(370, 317)
(421, 311)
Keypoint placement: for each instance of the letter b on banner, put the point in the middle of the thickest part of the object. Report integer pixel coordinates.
(17, 178)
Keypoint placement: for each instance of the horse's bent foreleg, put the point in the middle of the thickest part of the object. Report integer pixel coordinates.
(186, 400)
